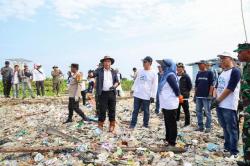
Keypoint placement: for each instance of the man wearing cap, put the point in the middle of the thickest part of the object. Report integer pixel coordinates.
(244, 56)
(203, 95)
(6, 73)
(26, 77)
(74, 90)
(39, 77)
(226, 102)
(145, 90)
(56, 79)
(185, 86)
(106, 84)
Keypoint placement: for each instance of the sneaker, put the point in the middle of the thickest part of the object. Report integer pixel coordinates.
(232, 158)
(208, 130)
(199, 129)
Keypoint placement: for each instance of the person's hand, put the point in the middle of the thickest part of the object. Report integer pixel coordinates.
(215, 103)
(112, 88)
(181, 99)
(152, 100)
(76, 98)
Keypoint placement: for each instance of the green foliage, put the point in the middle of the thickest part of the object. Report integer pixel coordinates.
(126, 86)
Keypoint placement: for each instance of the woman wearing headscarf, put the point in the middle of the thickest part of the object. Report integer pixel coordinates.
(169, 99)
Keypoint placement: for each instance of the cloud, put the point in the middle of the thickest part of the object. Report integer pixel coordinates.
(21, 9)
(129, 18)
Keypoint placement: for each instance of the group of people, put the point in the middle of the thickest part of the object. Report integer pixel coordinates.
(171, 89)
(16, 78)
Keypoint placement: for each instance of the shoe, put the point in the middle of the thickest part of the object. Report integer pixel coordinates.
(199, 129)
(131, 127)
(68, 121)
(86, 119)
(208, 130)
(100, 125)
(112, 126)
(232, 158)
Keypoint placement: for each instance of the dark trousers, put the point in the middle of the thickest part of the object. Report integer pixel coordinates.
(107, 101)
(83, 93)
(185, 106)
(40, 88)
(6, 87)
(170, 126)
(74, 106)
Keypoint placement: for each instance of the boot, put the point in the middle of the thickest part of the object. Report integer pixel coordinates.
(112, 126)
(68, 121)
(100, 125)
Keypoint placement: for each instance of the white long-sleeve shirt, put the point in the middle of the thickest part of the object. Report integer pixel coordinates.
(145, 85)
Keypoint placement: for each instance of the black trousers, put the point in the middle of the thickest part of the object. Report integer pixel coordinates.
(170, 126)
(40, 88)
(74, 106)
(6, 87)
(107, 102)
(185, 106)
(83, 93)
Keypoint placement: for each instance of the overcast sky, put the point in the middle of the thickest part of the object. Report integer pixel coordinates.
(64, 31)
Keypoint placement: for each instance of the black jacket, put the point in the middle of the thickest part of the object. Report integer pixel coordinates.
(99, 74)
(185, 85)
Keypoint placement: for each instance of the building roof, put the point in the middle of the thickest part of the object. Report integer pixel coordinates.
(20, 60)
(214, 60)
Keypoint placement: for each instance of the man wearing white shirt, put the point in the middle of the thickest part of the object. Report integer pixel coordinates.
(39, 77)
(144, 89)
(227, 98)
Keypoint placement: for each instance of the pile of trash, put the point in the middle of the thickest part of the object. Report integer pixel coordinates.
(33, 134)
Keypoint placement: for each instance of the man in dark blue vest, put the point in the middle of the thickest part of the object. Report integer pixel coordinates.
(106, 84)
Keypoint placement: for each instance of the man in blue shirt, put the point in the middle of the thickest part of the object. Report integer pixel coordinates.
(203, 95)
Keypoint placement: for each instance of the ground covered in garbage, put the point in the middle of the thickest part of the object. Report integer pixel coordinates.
(34, 128)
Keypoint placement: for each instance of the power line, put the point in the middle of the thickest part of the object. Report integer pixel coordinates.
(243, 20)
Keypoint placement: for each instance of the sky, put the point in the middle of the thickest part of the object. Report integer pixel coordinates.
(61, 32)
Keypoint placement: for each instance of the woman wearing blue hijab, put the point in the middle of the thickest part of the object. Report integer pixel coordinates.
(169, 99)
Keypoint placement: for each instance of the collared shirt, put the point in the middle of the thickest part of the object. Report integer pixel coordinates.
(108, 80)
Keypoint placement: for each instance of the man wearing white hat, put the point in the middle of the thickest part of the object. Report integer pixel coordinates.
(226, 102)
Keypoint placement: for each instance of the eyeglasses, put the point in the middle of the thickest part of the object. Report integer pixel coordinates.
(145, 61)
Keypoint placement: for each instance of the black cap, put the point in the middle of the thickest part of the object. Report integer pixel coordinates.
(7, 62)
(148, 59)
(75, 65)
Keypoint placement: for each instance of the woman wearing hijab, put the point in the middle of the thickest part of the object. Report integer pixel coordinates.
(169, 99)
